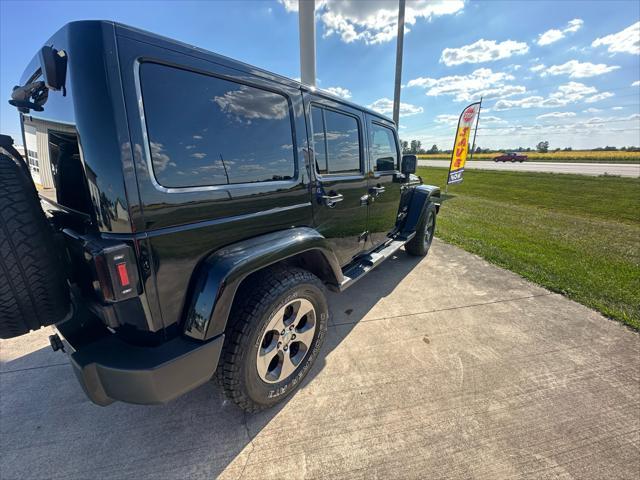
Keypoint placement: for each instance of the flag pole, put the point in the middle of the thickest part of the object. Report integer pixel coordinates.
(473, 147)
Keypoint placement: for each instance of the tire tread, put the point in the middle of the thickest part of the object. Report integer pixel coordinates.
(33, 290)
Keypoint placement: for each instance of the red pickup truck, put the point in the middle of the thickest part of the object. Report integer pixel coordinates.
(510, 157)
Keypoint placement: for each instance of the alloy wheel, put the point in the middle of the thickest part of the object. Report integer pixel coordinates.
(286, 340)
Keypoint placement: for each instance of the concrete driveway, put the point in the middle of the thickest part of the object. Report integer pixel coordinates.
(445, 367)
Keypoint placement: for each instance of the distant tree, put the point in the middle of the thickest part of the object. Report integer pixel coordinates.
(568, 149)
(416, 147)
(543, 147)
(557, 149)
(610, 149)
(433, 149)
(528, 149)
(405, 146)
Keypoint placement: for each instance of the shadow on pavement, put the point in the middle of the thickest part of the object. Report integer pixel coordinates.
(50, 428)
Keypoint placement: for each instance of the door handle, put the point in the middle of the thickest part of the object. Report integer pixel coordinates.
(377, 191)
(331, 200)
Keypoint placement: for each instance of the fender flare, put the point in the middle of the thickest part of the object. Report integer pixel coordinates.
(218, 276)
(422, 195)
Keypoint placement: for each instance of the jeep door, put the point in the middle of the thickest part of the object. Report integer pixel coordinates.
(337, 157)
(385, 180)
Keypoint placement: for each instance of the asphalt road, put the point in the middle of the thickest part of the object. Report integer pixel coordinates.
(594, 169)
(446, 367)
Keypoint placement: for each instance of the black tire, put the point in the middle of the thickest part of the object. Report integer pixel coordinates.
(419, 245)
(258, 300)
(33, 289)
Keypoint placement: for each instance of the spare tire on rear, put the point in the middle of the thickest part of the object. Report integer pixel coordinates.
(33, 289)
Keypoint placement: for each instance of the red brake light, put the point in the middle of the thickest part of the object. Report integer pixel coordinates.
(123, 274)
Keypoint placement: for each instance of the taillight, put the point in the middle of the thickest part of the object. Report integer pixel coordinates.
(123, 275)
(116, 273)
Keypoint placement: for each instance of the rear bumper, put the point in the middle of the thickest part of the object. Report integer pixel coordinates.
(109, 369)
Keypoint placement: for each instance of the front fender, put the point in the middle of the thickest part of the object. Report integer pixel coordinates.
(422, 194)
(219, 275)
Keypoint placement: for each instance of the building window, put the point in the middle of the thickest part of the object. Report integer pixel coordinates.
(206, 131)
(32, 157)
(336, 141)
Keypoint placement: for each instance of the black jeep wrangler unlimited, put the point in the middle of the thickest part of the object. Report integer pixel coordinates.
(198, 208)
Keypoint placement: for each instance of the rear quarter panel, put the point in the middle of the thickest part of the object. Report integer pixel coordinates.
(183, 227)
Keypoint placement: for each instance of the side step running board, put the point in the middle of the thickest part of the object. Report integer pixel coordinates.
(367, 263)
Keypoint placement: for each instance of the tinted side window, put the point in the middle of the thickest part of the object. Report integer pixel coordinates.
(319, 145)
(207, 131)
(384, 154)
(336, 141)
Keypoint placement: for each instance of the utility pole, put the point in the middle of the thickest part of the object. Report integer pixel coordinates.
(307, 26)
(399, 48)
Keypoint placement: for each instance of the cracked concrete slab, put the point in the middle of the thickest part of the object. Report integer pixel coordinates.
(444, 367)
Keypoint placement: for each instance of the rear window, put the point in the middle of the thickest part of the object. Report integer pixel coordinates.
(205, 131)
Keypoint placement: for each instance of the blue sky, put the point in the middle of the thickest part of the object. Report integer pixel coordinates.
(556, 71)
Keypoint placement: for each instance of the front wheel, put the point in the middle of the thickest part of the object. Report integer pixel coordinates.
(419, 245)
(276, 329)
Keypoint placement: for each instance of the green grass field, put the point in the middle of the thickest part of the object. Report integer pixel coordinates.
(573, 234)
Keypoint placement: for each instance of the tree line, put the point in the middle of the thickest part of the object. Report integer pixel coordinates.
(414, 147)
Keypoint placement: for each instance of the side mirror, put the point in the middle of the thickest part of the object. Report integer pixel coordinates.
(409, 164)
(54, 67)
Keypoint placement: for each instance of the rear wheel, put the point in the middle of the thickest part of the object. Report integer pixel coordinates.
(33, 289)
(276, 330)
(420, 244)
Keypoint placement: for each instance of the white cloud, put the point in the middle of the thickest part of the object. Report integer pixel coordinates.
(626, 41)
(537, 68)
(617, 108)
(447, 119)
(549, 36)
(453, 119)
(556, 115)
(574, 25)
(553, 35)
(628, 118)
(482, 51)
(592, 110)
(481, 82)
(339, 91)
(636, 83)
(385, 107)
(571, 92)
(598, 97)
(373, 22)
(492, 119)
(576, 69)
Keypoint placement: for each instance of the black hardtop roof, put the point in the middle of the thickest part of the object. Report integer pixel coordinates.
(165, 42)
